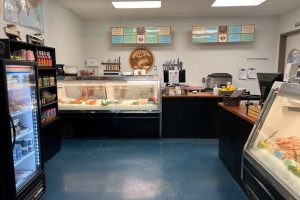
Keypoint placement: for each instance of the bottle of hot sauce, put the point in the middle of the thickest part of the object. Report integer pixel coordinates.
(49, 59)
(38, 57)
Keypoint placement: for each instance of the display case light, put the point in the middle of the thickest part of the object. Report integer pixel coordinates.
(232, 3)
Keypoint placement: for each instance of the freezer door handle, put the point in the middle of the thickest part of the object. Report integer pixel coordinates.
(14, 131)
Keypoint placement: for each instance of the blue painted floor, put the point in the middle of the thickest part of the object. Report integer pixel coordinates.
(157, 169)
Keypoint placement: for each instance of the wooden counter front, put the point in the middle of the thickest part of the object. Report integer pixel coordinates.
(193, 95)
(240, 111)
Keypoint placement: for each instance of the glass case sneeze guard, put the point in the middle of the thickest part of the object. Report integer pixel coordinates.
(115, 94)
(274, 143)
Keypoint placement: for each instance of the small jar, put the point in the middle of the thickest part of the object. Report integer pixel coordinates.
(52, 81)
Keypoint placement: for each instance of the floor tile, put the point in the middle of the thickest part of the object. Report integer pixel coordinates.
(146, 169)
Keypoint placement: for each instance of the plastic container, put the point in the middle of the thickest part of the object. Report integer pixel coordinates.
(216, 90)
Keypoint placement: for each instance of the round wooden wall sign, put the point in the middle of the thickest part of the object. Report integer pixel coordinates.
(141, 58)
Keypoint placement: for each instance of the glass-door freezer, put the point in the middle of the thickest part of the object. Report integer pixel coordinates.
(23, 112)
(21, 92)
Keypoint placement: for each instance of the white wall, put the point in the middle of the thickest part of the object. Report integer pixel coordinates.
(63, 31)
(198, 60)
(292, 42)
(288, 20)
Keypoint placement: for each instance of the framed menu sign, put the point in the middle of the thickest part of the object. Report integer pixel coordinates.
(129, 31)
(223, 33)
(248, 28)
(117, 31)
(234, 29)
(115, 39)
(141, 35)
(129, 39)
(198, 30)
(166, 30)
(165, 39)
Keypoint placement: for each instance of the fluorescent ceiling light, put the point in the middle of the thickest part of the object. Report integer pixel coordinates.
(137, 4)
(231, 3)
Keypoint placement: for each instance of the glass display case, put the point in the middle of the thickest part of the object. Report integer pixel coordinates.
(273, 148)
(110, 94)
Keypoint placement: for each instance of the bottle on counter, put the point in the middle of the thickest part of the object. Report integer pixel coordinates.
(216, 90)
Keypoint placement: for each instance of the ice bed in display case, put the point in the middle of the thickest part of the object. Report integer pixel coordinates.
(271, 168)
(110, 94)
(128, 106)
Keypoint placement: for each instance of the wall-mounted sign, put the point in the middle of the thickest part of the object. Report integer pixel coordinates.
(165, 39)
(223, 38)
(211, 29)
(140, 39)
(151, 40)
(129, 30)
(117, 31)
(141, 35)
(199, 38)
(249, 28)
(234, 37)
(117, 39)
(223, 34)
(130, 39)
(141, 59)
(164, 30)
(247, 37)
(198, 30)
(211, 38)
(235, 29)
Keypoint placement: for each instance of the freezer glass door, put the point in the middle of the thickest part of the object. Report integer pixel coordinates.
(23, 112)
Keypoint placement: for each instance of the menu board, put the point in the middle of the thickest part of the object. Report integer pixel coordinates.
(129, 31)
(141, 35)
(130, 39)
(117, 39)
(117, 31)
(165, 39)
(223, 34)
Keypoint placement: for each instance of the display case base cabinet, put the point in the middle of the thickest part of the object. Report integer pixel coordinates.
(50, 138)
(256, 186)
(35, 189)
(138, 125)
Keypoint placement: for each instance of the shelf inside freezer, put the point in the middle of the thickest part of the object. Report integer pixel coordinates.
(23, 134)
(23, 111)
(20, 87)
(22, 176)
(23, 158)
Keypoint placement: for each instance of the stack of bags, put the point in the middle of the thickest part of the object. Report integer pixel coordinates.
(254, 110)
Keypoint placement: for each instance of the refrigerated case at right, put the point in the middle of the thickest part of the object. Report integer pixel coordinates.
(271, 157)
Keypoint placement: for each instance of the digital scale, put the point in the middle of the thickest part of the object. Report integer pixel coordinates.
(292, 73)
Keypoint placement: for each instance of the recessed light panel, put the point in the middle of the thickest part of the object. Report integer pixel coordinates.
(232, 3)
(136, 4)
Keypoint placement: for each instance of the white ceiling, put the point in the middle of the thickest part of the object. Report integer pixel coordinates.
(103, 9)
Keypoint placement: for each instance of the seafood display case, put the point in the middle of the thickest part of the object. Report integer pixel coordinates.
(271, 157)
(113, 104)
